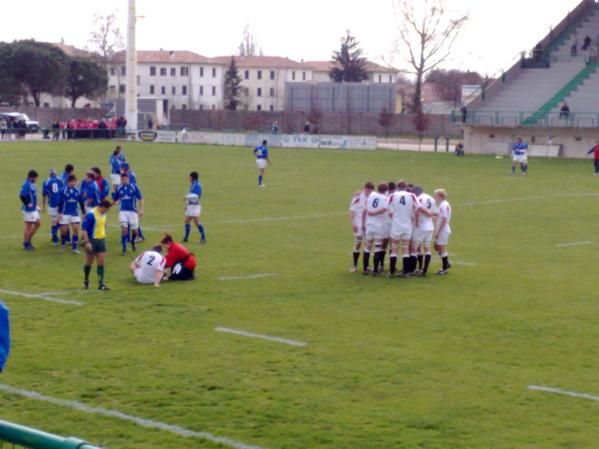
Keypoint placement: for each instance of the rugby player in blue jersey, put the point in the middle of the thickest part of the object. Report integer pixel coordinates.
(261, 154)
(520, 156)
(103, 185)
(193, 209)
(128, 195)
(116, 161)
(126, 169)
(89, 191)
(71, 202)
(52, 193)
(30, 210)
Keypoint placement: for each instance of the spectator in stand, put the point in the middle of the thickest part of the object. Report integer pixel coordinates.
(56, 130)
(275, 127)
(150, 123)
(587, 43)
(574, 48)
(464, 111)
(564, 112)
(595, 152)
(537, 52)
(307, 128)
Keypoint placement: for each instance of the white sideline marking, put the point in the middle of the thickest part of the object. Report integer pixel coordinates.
(42, 297)
(147, 423)
(299, 344)
(243, 278)
(463, 264)
(529, 198)
(564, 392)
(568, 245)
(274, 219)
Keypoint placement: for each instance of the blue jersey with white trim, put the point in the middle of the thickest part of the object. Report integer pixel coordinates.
(520, 149)
(116, 162)
(90, 193)
(127, 195)
(29, 191)
(261, 152)
(71, 200)
(52, 189)
(195, 194)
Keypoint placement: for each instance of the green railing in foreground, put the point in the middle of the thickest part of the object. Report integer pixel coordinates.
(17, 435)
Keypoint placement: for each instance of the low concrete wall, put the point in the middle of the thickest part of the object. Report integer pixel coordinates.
(565, 142)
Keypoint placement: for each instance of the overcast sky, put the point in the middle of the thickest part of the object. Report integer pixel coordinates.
(303, 29)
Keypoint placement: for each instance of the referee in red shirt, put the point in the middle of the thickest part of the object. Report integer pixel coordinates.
(595, 151)
(179, 259)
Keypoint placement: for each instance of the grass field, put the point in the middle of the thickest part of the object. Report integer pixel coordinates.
(439, 363)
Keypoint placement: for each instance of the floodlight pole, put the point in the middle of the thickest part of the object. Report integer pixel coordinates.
(131, 69)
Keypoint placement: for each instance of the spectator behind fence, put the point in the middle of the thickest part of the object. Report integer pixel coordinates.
(3, 129)
(275, 127)
(564, 112)
(459, 149)
(464, 111)
(587, 43)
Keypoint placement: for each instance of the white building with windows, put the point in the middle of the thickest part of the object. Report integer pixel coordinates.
(187, 80)
(264, 79)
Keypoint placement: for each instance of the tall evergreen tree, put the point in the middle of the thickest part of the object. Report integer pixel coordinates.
(232, 86)
(348, 65)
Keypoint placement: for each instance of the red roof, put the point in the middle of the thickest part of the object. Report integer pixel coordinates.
(325, 66)
(262, 62)
(164, 57)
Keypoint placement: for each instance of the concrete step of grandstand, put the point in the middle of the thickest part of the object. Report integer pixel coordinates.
(585, 97)
(541, 114)
(588, 26)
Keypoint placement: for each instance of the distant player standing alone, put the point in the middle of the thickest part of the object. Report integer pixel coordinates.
(30, 210)
(261, 154)
(595, 152)
(94, 242)
(520, 156)
(443, 229)
(193, 210)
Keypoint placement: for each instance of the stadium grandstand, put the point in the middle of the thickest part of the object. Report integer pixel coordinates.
(529, 99)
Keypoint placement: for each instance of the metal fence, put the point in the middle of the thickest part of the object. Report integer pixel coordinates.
(514, 119)
(17, 436)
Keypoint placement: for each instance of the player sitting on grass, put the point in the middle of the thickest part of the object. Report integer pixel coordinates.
(443, 229)
(520, 156)
(52, 192)
(30, 210)
(376, 209)
(128, 195)
(179, 259)
(70, 201)
(356, 215)
(193, 210)
(148, 268)
(261, 154)
(94, 242)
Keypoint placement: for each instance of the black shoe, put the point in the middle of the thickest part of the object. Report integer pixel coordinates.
(367, 272)
(443, 273)
(104, 288)
(86, 285)
(185, 241)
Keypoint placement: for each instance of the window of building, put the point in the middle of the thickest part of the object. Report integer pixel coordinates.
(247, 75)
(163, 90)
(259, 92)
(303, 76)
(259, 74)
(152, 89)
(272, 91)
(202, 72)
(214, 91)
(152, 71)
(293, 75)
(213, 107)
(184, 107)
(184, 90)
(112, 89)
(123, 70)
(112, 71)
(213, 72)
(272, 108)
(174, 90)
(163, 71)
(380, 78)
(122, 88)
(272, 74)
(201, 91)
(173, 71)
(184, 71)
(259, 108)
(390, 78)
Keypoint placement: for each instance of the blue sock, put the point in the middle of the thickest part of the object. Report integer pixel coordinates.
(129, 232)
(260, 180)
(69, 235)
(55, 233)
(202, 231)
(187, 231)
(26, 244)
(140, 234)
(124, 240)
(75, 242)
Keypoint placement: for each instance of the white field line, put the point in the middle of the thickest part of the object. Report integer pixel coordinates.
(284, 341)
(250, 277)
(463, 264)
(41, 297)
(142, 422)
(529, 198)
(571, 244)
(563, 392)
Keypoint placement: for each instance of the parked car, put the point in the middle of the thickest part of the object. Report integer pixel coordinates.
(15, 117)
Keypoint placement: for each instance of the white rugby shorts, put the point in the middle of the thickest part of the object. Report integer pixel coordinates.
(193, 211)
(31, 217)
(261, 164)
(70, 220)
(115, 180)
(128, 218)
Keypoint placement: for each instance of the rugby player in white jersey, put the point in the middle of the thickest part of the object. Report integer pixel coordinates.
(376, 210)
(356, 215)
(423, 233)
(402, 206)
(443, 231)
(388, 221)
(148, 268)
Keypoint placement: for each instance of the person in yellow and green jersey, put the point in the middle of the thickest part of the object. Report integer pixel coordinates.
(94, 242)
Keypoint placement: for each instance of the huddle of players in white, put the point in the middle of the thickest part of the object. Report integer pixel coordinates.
(400, 216)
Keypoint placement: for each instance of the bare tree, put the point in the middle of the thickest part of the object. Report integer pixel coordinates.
(106, 39)
(248, 45)
(426, 35)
